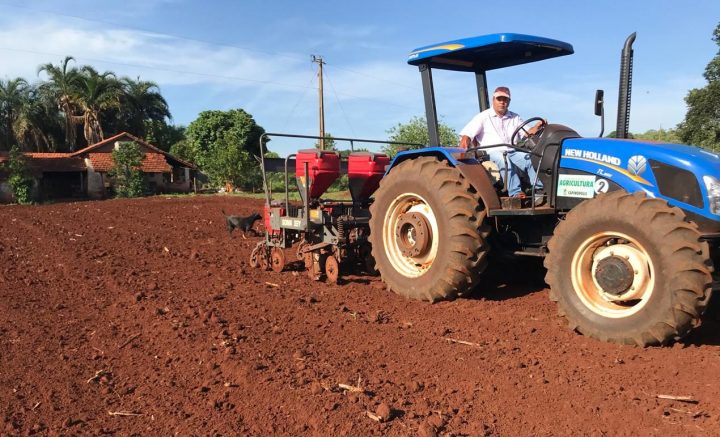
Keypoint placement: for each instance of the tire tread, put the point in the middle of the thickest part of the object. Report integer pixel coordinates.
(687, 256)
(468, 230)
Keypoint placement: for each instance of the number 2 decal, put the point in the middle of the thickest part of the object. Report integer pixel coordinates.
(601, 186)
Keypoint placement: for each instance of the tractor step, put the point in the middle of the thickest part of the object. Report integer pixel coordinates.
(538, 210)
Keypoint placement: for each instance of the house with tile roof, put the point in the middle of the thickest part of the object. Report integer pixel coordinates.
(84, 173)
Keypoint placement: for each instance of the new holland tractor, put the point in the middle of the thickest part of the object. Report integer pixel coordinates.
(629, 230)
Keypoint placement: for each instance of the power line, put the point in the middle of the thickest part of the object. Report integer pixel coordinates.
(149, 67)
(347, 120)
(181, 37)
(302, 96)
(374, 77)
(195, 73)
(155, 32)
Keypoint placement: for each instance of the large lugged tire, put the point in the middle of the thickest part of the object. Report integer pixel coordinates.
(629, 269)
(428, 231)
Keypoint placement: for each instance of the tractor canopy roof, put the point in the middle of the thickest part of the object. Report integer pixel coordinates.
(488, 52)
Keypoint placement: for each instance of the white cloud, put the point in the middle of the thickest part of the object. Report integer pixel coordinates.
(157, 57)
(363, 98)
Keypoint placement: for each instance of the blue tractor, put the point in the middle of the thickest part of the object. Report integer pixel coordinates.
(629, 232)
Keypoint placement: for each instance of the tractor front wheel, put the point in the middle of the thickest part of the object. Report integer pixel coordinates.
(629, 269)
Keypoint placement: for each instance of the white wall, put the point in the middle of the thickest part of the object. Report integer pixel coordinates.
(95, 188)
(6, 195)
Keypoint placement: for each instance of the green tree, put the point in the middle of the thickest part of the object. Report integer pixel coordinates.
(163, 135)
(77, 105)
(126, 171)
(183, 150)
(666, 136)
(701, 126)
(345, 153)
(141, 107)
(329, 142)
(613, 134)
(61, 87)
(224, 144)
(20, 180)
(37, 125)
(415, 131)
(13, 94)
(96, 93)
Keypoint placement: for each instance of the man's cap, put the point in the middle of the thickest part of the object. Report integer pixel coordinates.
(502, 91)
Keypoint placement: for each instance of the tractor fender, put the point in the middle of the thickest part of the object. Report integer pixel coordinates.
(479, 178)
(471, 169)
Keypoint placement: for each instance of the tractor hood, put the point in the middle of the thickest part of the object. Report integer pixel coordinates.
(619, 153)
(671, 171)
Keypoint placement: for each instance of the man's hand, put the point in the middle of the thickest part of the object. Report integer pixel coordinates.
(465, 142)
(533, 130)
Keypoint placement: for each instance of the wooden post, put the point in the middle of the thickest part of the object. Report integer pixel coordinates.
(320, 62)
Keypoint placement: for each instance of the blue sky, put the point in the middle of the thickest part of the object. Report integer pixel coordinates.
(256, 55)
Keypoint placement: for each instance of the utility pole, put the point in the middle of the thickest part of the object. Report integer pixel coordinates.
(320, 62)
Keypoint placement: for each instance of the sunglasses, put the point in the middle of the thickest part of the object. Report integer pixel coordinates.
(502, 99)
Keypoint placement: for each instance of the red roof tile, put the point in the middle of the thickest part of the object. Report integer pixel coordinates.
(47, 154)
(51, 162)
(58, 164)
(101, 161)
(153, 163)
(130, 137)
(156, 160)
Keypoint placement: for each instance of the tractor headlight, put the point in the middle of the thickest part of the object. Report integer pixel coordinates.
(712, 184)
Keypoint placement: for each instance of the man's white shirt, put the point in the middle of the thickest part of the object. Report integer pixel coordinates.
(488, 128)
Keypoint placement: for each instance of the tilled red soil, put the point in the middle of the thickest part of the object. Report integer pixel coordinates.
(142, 317)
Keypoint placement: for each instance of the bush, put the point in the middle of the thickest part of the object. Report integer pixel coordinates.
(20, 180)
(126, 172)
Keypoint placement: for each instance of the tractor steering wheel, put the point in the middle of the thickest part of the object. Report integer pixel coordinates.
(530, 140)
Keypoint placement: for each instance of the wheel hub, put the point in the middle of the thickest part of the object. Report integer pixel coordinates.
(621, 272)
(614, 275)
(413, 234)
(409, 235)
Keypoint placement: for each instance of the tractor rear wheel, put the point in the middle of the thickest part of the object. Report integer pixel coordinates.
(428, 230)
(626, 268)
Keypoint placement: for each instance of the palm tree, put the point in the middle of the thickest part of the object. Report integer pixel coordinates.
(97, 93)
(13, 93)
(141, 101)
(38, 125)
(61, 87)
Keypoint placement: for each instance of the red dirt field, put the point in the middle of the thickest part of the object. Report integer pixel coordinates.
(142, 317)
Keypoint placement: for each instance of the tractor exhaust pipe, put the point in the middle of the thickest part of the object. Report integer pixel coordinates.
(626, 62)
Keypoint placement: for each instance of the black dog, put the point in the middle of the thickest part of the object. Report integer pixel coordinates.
(244, 224)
